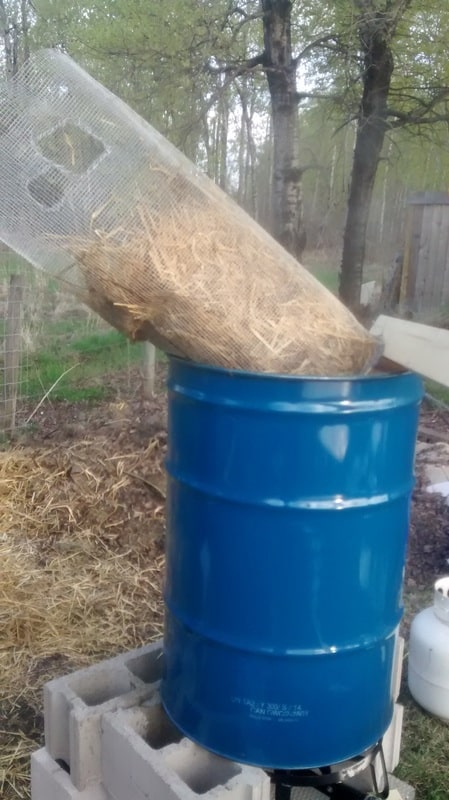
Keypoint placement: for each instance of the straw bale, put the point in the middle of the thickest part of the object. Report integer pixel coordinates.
(206, 286)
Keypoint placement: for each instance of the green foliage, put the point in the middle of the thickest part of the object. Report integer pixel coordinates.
(90, 361)
(166, 60)
(418, 37)
(324, 272)
(162, 59)
(409, 163)
(439, 392)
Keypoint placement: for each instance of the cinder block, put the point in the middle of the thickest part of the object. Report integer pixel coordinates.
(50, 782)
(403, 790)
(107, 725)
(391, 742)
(74, 705)
(397, 668)
(144, 757)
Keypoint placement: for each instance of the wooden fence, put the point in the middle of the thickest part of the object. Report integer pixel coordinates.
(425, 271)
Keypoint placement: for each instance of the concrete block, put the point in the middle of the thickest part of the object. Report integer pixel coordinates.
(106, 723)
(74, 705)
(404, 790)
(392, 739)
(49, 781)
(397, 667)
(144, 757)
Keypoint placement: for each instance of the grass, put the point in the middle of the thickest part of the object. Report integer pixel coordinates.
(425, 739)
(64, 346)
(11, 262)
(324, 271)
(438, 391)
(424, 753)
(78, 361)
(328, 277)
(327, 272)
(85, 360)
(66, 350)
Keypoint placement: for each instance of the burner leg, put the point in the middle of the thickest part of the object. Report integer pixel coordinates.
(282, 791)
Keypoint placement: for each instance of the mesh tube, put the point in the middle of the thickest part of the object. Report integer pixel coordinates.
(95, 196)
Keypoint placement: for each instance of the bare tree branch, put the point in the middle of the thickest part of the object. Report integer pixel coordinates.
(236, 68)
(309, 48)
(423, 113)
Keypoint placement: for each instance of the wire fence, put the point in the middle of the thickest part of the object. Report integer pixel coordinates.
(53, 347)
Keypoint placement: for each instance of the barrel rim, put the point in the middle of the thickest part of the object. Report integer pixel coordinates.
(241, 373)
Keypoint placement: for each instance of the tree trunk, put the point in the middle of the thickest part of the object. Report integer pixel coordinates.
(242, 158)
(247, 191)
(383, 205)
(25, 28)
(222, 141)
(280, 68)
(252, 199)
(372, 126)
(5, 33)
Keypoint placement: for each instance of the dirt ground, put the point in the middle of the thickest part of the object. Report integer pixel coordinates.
(129, 423)
(428, 549)
(136, 428)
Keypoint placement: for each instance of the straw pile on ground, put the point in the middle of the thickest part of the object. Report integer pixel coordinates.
(210, 287)
(73, 588)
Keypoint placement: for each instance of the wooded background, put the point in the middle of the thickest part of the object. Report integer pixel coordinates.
(319, 118)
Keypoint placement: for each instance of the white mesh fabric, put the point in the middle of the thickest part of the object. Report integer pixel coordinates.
(95, 196)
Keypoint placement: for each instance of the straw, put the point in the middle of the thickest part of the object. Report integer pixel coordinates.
(80, 574)
(200, 284)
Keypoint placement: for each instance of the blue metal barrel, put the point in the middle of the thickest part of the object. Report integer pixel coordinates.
(288, 510)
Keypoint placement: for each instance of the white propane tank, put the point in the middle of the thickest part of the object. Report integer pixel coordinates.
(428, 660)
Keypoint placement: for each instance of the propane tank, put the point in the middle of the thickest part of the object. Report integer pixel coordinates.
(428, 661)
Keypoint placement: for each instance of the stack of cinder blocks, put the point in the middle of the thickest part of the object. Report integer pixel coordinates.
(108, 738)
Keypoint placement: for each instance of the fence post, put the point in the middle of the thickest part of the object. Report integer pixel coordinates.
(149, 369)
(13, 342)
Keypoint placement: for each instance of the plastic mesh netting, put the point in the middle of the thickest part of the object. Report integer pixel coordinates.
(94, 195)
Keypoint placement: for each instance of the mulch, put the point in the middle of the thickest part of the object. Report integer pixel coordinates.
(130, 423)
(428, 548)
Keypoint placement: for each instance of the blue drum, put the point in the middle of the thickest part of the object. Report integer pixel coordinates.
(288, 513)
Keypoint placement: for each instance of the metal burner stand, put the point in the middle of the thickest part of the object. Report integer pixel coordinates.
(337, 781)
